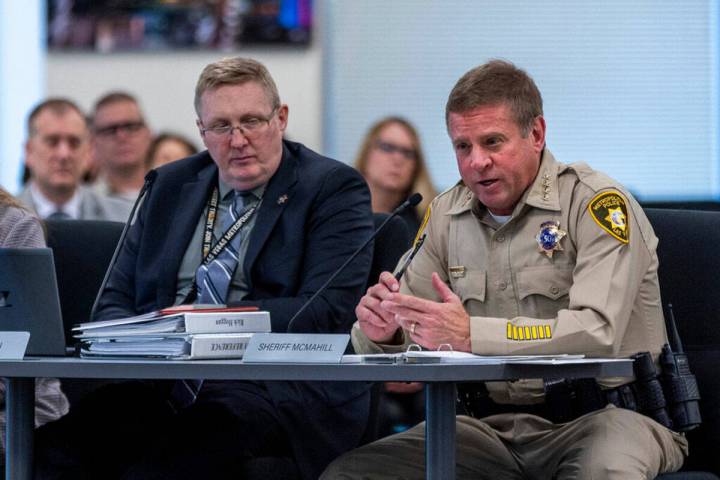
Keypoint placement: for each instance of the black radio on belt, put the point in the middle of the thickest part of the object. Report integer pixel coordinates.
(679, 383)
(648, 390)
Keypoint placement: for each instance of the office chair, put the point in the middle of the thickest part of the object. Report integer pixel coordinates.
(82, 251)
(689, 280)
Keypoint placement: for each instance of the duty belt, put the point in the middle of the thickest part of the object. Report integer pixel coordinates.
(565, 400)
(670, 398)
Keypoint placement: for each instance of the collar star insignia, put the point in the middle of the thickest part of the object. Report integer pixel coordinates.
(548, 238)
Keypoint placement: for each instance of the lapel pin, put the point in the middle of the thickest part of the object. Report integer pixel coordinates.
(282, 199)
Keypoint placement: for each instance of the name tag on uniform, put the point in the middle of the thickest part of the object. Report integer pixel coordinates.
(13, 345)
(457, 272)
(296, 348)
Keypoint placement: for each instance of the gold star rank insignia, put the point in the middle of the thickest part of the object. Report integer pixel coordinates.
(548, 238)
(610, 212)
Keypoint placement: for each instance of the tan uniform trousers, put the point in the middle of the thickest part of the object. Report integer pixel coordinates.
(607, 444)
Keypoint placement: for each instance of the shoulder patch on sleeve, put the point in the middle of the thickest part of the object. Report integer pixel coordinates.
(610, 212)
(422, 225)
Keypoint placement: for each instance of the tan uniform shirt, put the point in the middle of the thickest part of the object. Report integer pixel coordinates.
(599, 295)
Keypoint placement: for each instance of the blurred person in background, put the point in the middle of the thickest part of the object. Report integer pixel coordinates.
(57, 152)
(20, 229)
(392, 162)
(120, 141)
(167, 147)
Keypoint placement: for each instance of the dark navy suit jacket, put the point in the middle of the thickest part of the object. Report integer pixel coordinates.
(315, 213)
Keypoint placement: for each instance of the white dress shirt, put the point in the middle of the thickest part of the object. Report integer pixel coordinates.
(45, 207)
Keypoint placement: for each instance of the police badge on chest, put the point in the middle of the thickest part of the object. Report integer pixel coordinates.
(548, 238)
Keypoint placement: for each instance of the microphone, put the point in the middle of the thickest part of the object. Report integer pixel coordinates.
(149, 179)
(413, 200)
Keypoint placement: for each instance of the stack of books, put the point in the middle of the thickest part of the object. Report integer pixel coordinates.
(182, 332)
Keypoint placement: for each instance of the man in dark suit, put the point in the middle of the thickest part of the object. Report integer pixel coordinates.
(304, 216)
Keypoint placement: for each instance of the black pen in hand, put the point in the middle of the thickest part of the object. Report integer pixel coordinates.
(409, 258)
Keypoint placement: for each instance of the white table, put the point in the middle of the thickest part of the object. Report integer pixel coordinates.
(439, 378)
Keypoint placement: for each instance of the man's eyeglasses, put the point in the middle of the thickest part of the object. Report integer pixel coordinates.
(408, 153)
(250, 127)
(114, 129)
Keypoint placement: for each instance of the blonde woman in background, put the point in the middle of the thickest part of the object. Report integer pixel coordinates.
(19, 228)
(392, 162)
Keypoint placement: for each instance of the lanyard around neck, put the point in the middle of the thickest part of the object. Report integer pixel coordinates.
(209, 253)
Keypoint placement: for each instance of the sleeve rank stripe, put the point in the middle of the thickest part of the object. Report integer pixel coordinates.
(528, 332)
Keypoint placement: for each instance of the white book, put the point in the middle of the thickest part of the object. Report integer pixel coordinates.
(218, 321)
(172, 346)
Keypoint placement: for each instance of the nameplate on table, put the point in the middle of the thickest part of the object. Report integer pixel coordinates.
(13, 345)
(296, 348)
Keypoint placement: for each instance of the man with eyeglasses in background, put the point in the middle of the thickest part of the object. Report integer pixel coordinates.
(120, 141)
(57, 153)
(299, 216)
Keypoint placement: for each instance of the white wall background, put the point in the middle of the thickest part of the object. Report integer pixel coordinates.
(630, 87)
(165, 84)
(22, 79)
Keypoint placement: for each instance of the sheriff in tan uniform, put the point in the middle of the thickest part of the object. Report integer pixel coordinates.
(542, 283)
(525, 256)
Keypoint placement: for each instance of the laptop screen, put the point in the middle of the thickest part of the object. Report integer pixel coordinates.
(29, 299)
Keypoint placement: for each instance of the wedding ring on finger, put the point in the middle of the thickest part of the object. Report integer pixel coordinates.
(412, 327)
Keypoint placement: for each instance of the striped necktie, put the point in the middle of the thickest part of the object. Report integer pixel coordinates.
(213, 280)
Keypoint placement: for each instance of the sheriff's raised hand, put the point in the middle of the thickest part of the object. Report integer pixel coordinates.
(429, 323)
(375, 321)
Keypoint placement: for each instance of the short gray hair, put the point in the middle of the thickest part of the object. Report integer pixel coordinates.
(235, 71)
(493, 83)
(57, 105)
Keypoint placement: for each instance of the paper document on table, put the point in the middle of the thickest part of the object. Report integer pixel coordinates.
(443, 356)
(450, 356)
(560, 359)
